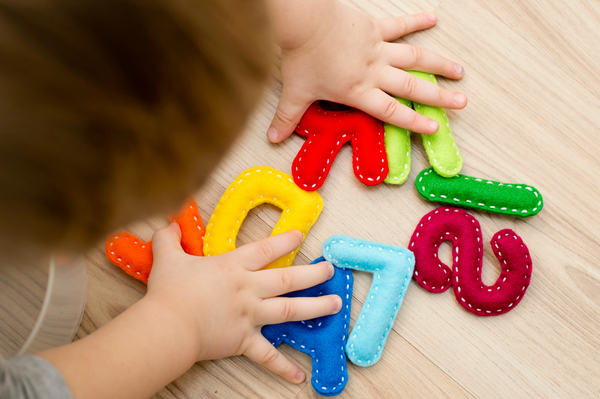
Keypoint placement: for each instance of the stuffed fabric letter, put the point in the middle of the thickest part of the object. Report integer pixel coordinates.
(464, 232)
(440, 147)
(397, 146)
(392, 269)
(511, 199)
(134, 256)
(326, 132)
(253, 187)
(323, 338)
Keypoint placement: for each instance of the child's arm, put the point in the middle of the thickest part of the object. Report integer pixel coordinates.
(196, 308)
(336, 53)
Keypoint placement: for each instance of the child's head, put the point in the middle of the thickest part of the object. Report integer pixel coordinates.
(111, 110)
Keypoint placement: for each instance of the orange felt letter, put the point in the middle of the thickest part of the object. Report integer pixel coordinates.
(134, 256)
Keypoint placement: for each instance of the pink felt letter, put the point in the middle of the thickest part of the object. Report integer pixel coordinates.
(464, 232)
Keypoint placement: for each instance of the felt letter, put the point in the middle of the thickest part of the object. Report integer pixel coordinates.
(487, 195)
(397, 147)
(134, 256)
(464, 232)
(255, 186)
(440, 147)
(327, 131)
(392, 268)
(323, 338)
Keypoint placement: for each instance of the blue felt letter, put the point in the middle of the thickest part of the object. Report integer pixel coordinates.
(322, 339)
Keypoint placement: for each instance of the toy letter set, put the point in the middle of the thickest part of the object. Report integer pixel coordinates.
(381, 154)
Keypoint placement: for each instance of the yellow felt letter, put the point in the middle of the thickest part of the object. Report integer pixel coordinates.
(255, 186)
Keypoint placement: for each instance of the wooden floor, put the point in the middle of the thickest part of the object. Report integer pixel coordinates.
(533, 81)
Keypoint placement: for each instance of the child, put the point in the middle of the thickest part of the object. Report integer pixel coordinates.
(114, 110)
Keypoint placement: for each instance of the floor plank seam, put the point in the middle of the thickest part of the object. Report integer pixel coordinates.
(436, 365)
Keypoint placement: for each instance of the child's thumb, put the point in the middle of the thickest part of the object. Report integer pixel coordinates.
(166, 240)
(288, 114)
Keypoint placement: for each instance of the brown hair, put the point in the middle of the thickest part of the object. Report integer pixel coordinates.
(111, 110)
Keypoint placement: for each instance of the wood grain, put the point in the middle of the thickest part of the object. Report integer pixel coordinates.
(533, 117)
(22, 291)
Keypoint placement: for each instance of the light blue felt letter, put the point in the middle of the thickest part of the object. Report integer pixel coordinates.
(392, 269)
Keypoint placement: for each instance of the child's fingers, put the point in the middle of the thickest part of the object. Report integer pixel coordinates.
(166, 240)
(283, 309)
(262, 352)
(288, 114)
(408, 57)
(386, 108)
(275, 282)
(395, 27)
(404, 85)
(259, 254)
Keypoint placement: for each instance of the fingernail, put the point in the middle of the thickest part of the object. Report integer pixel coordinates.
(433, 125)
(338, 305)
(459, 69)
(431, 17)
(460, 99)
(300, 376)
(330, 271)
(272, 134)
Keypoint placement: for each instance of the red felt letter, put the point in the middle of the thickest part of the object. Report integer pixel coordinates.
(327, 131)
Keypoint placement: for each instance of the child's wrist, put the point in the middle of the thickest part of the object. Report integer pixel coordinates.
(184, 329)
(141, 350)
(297, 22)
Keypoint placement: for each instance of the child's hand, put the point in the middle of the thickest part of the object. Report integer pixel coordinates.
(336, 53)
(225, 300)
(196, 308)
